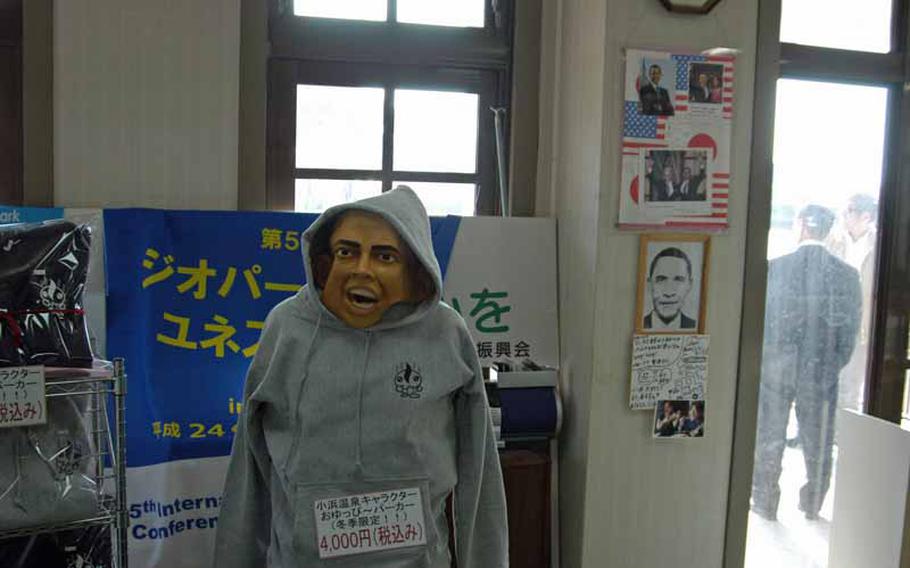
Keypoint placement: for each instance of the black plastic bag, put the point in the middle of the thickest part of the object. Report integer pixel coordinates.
(43, 267)
(77, 548)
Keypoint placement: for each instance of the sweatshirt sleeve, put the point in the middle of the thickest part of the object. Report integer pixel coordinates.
(481, 525)
(244, 524)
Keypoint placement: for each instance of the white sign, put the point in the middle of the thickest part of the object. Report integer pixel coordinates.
(369, 522)
(668, 367)
(502, 280)
(22, 397)
(160, 535)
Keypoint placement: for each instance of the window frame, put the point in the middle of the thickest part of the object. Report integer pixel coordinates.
(11, 102)
(285, 75)
(888, 357)
(389, 55)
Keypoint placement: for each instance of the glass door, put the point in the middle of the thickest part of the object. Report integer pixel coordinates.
(829, 141)
(830, 184)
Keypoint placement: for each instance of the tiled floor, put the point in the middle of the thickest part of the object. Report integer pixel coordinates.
(791, 541)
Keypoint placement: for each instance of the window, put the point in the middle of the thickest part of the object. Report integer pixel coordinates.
(830, 78)
(372, 10)
(841, 24)
(368, 94)
(825, 193)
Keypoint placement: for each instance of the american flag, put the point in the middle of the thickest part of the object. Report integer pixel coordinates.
(641, 131)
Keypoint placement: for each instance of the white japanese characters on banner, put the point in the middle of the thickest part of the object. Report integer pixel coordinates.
(677, 116)
(668, 367)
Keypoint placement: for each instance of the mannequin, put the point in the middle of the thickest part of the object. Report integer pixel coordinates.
(365, 386)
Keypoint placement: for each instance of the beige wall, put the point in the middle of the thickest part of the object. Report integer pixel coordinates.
(627, 500)
(146, 103)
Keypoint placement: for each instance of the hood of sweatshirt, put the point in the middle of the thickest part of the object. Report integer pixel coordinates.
(402, 209)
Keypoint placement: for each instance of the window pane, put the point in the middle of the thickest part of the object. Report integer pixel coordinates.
(842, 24)
(374, 10)
(435, 131)
(444, 198)
(828, 145)
(463, 13)
(317, 195)
(339, 127)
(828, 149)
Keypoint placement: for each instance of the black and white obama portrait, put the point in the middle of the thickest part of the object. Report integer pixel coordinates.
(671, 284)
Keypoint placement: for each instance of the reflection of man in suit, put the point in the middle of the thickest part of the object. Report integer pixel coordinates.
(812, 314)
(670, 281)
(654, 98)
(699, 91)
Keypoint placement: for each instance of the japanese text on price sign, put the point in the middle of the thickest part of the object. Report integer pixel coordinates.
(22, 399)
(357, 524)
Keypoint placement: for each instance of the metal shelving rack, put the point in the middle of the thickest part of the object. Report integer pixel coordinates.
(99, 384)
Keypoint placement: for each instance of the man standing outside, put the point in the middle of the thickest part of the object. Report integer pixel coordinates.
(812, 314)
(654, 98)
(855, 243)
(669, 281)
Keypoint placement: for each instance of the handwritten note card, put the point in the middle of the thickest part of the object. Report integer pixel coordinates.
(668, 367)
(22, 400)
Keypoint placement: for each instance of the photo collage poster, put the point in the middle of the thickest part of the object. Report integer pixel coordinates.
(677, 118)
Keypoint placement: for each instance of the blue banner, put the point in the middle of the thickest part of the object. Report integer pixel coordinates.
(28, 214)
(188, 293)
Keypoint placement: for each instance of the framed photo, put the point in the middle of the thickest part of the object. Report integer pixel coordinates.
(672, 283)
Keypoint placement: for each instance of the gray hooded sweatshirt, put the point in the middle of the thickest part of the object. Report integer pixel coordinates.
(334, 412)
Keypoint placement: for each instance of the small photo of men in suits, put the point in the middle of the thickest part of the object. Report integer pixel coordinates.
(706, 83)
(656, 86)
(675, 175)
(679, 419)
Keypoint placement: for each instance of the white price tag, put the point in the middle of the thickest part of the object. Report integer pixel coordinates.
(22, 397)
(369, 522)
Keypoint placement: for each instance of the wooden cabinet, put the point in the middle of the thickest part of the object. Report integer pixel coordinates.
(526, 476)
